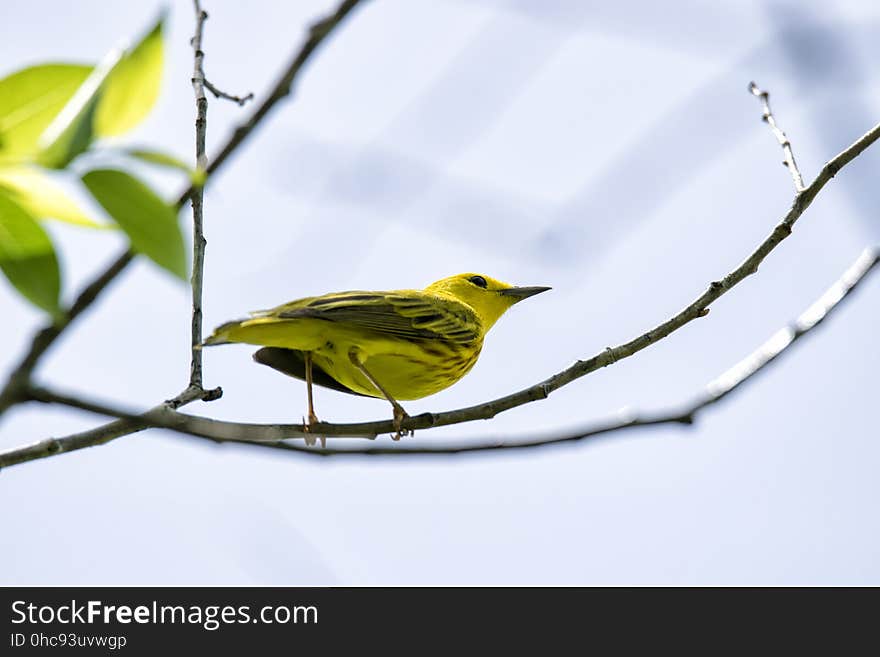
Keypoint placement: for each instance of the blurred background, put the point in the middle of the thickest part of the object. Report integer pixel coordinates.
(611, 150)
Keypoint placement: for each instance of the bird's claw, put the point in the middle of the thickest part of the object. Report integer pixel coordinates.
(399, 416)
(310, 439)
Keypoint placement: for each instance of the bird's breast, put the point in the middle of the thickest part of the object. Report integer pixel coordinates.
(406, 369)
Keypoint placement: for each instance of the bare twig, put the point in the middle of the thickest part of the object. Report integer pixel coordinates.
(19, 378)
(241, 100)
(272, 435)
(97, 436)
(770, 120)
(200, 82)
(197, 196)
(53, 446)
(784, 338)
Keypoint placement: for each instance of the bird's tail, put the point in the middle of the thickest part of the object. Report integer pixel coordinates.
(221, 334)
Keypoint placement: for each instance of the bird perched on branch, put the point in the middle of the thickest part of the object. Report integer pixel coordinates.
(397, 345)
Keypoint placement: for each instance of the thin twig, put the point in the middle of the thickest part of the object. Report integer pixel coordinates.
(40, 394)
(54, 446)
(785, 337)
(19, 378)
(200, 82)
(770, 120)
(97, 436)
(197, 197)
(272, 435)
(241, 100)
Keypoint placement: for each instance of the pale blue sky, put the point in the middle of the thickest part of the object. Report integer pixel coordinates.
(610, 150)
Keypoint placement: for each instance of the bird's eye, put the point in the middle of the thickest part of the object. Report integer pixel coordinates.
(479, 281)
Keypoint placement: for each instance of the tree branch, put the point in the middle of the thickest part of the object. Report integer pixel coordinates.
(19, 379)
(789, 162)
(272, 435)
(97, 436)
(53, 446)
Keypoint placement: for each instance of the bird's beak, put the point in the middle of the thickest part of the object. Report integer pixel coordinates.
(520, 293)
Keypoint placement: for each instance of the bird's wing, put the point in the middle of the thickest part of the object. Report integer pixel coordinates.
(407, 314)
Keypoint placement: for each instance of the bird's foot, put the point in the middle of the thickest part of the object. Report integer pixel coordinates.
(310, 438)
(399, 416)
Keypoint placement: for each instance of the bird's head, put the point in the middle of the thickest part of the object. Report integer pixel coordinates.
(489, 298)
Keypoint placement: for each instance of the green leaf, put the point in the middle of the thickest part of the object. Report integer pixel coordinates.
(51, 113)
(29, 100)
(72, 137)
(27, 256)
(71, 132)
(196, 176)
(41, 197)
(150, 223)
(133, 86)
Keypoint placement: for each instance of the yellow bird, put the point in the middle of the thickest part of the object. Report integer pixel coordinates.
(402, 344)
